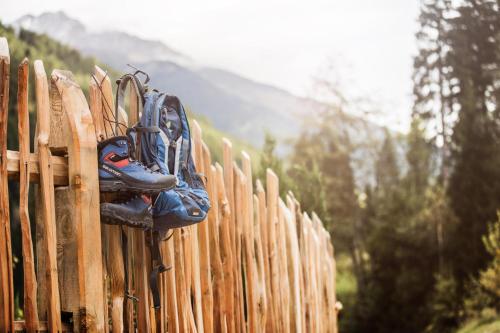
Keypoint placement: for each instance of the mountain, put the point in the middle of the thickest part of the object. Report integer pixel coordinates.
(107, 46)
(233, 104)
(56, 55)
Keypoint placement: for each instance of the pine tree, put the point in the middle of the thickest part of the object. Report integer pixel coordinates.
(431, 84)
(474, 187)
(270, 160)
(386, 167)
(418, 157)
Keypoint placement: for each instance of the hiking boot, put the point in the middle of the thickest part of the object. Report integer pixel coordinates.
(135, 213)
(119, 172)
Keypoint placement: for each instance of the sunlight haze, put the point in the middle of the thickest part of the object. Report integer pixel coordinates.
(282, 43)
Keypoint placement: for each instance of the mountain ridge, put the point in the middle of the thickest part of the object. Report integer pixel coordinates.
(249, 112)
(242, 107)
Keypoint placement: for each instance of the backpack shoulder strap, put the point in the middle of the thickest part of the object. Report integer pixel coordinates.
(122, 88)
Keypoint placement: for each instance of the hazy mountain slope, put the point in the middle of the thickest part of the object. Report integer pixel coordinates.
(108, 46)
(56, 55)
(228, 112)
(246, 110)
(233, 104)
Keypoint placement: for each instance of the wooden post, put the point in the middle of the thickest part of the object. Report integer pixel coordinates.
(182, 299)
(266, 263)
(48, 226)
(200, 252)
(284, 294)
(82, 172)
(226, 250)
(173, 308)
(6, 280)
(219, 293)
(261, 271)
(30, 286)
(239, 221)
(297, 283)
(102, 109)
(203, 167)
(272, 222)
(238, 268)
(253, 289)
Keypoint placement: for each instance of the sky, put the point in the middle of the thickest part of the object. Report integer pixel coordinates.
(288, 44)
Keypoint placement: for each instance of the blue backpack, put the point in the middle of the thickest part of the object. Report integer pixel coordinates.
(163, 139)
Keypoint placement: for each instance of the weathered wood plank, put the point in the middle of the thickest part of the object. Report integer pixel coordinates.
(294, 262)
(266, 260)
(239, 180)
(30, 285)
(260, 265)
(248, 242)
(47, 197)
(102, 109)
(219, 293)
(283, 270)
(183, 303)
(59, 165)
(6, 279)
(226, 250)
(83, 178)
(20, 325)
(141, 283)
(172, 306)
(203, 166)
(272, 222)
(200, 251)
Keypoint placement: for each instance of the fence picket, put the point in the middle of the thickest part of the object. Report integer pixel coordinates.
(30, 285)
(48, 241)
(6, 289)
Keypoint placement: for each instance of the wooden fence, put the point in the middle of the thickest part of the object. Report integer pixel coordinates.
(256, 264)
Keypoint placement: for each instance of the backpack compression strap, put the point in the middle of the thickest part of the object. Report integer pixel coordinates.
(158, 268)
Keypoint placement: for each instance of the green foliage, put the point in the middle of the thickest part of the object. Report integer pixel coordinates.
(445, 309)
(474, 186)
(213, 138)
(489, 278)
(489, 324)
(346, 289)
(270, 160)
(401, 246)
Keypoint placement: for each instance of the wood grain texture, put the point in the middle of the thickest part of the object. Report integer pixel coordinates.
(207, 301)
(266, 262)
(6, 282)
(30, 285)
(59, 165)
(102, 109)
(82, 174)
(248, 243)
(48, 240)
(274, 266)
(226, 250)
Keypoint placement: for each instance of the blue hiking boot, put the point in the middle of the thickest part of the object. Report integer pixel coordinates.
(119, 172)
(135, 213)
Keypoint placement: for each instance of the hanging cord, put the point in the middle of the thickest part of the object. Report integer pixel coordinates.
(112, 120)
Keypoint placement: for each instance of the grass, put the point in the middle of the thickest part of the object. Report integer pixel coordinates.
(483, 325)
(346, 290)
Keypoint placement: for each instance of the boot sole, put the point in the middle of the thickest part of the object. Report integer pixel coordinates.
(121, 186)
(110, 216)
